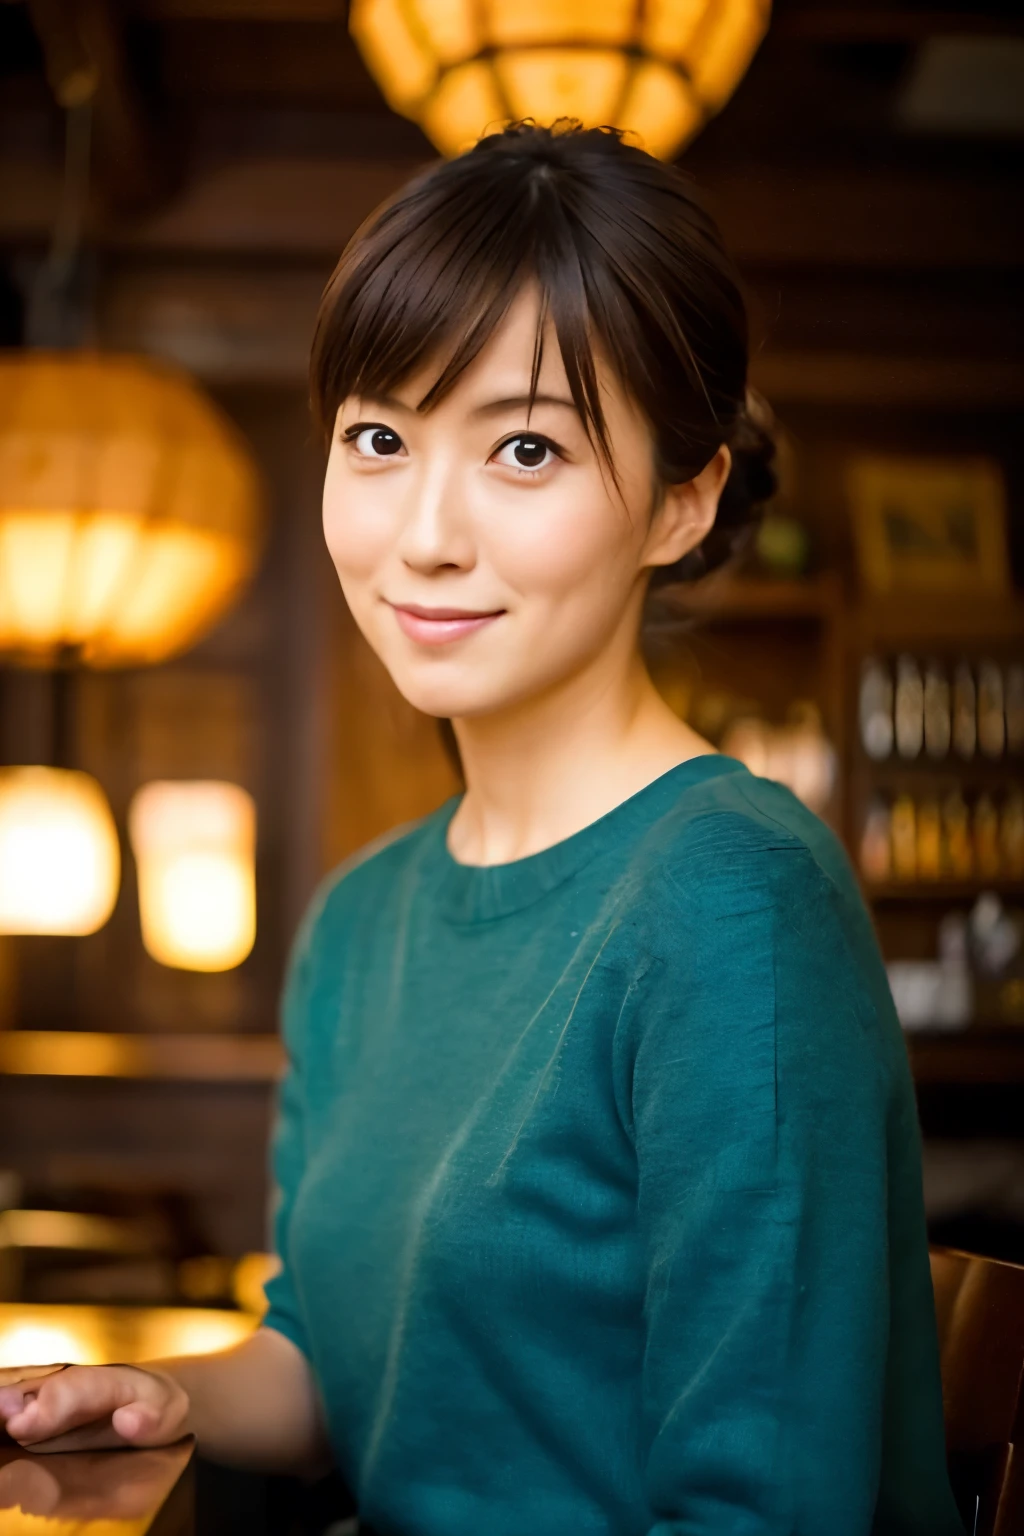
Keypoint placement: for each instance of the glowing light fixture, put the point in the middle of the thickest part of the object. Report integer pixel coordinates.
(23, 1343)
(129, 509)
(60, 863)
(51, 1333)
(659, 69)
(195, 846)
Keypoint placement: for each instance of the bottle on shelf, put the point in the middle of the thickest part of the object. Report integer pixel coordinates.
(904, 838)
(937, 717)
(876, 705)
(929, 839)
(986, 838)
(1014, 701)
(965, 712)
(875, 842)
(909, 707)
(1011, 835)
(957, 838)
(991, 717)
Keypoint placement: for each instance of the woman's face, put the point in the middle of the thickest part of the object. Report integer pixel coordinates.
(487, 558)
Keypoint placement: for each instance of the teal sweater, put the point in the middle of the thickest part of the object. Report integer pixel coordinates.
(599, 1184)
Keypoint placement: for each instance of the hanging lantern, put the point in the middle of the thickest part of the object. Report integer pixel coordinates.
(129, 509)
(659, 69)
(195, 846)
(60, 862)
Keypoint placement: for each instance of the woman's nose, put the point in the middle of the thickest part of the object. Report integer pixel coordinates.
(437, 531)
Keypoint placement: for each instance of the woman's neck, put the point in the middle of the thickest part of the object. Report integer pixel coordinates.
(539, 772)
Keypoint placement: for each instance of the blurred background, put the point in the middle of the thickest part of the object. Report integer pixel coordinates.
(191, 731)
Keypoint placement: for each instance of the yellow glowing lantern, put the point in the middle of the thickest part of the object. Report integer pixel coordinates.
(60, 862)
(129, 509)
(195, 846)
(658, 68)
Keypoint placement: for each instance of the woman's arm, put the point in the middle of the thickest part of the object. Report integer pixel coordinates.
(790, 1376)
(253, 1406)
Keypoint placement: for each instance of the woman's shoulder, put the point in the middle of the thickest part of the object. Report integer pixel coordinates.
(369, 878)
(758, 931)
(735, 837)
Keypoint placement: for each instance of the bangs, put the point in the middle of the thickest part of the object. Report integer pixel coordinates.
(621, 255)
(420, 289)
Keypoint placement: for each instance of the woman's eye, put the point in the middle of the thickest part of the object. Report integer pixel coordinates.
(526, 453)
(375, 442)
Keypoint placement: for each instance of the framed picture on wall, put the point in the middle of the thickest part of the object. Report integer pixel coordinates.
(929, 524)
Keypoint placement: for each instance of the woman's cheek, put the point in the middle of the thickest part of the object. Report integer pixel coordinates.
(562, 548)
(355, 532)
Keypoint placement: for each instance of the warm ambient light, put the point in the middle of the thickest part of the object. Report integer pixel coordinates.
(60, 863)
(36, 1343)
(659, 68)
(40, 1334)
(195, 847)
(129, 511)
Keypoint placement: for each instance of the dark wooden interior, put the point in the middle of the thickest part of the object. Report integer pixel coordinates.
(237, 145)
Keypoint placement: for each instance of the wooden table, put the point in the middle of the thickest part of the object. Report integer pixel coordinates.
(104, 1493)
(98, 1493)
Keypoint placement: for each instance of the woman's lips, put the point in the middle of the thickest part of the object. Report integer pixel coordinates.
(438, 626)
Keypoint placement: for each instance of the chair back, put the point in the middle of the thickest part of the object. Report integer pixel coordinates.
(979, 1305)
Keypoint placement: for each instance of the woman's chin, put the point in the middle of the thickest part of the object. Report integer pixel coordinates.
(446, 704)
(451, 698)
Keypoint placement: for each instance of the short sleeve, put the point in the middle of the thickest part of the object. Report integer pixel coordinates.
(761, 1105)
(288, 1137)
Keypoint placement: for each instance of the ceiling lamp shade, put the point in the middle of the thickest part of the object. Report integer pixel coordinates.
(129, 509)
(657, 69)
(60, 861)
(195, 847)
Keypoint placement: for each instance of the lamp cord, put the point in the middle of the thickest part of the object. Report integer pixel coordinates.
(58, 310)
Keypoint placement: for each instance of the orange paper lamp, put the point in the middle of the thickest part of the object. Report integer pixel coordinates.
(130, 514)
(658, 68)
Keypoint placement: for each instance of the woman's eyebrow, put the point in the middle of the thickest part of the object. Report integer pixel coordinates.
(516, 402)
(386, 402)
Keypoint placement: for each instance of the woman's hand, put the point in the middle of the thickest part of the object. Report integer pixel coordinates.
(92, 1407)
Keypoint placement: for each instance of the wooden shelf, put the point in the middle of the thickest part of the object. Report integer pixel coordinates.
(973, 1058)
(945, 623)
(174, 1058)
(942, 890)
(752, 598)
(929, 770)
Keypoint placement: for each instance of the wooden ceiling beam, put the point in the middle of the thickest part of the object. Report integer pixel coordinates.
(254, 324)
(242, 10)
(821, 19)
(300, 208)
(830, 21)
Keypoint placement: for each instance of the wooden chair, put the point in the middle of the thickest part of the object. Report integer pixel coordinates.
(979, 1304)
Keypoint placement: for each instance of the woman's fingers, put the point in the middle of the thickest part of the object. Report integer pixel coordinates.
(11, 1375)
(98, 1406)
(101, 1436)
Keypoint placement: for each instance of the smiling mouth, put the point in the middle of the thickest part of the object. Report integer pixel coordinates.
(439, 626)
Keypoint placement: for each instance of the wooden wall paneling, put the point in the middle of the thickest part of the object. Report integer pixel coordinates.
(297, 677)
(293, 205)
(203, 1142)
(389, 766)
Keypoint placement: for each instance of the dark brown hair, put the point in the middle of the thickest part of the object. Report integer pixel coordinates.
(619, 247)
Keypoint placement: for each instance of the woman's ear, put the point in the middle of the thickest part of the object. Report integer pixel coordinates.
(687, 513)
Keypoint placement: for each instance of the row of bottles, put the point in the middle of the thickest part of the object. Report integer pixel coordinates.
(943, 837)
(912, 708)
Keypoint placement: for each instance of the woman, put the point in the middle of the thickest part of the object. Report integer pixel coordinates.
(599, 1174)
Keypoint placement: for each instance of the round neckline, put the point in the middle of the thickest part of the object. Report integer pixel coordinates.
(468, 893)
